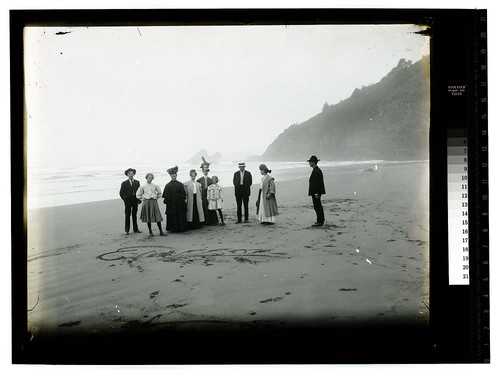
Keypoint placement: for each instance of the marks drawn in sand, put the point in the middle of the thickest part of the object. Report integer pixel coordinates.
(132, 255)
(55, 252)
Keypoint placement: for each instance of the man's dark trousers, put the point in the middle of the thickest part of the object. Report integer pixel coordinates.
(131, 208)
(318, 207)
(239, 201)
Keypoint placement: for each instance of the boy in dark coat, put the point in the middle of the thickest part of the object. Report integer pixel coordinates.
(127, 194)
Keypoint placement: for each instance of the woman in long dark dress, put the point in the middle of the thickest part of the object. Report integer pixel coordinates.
(174, 197)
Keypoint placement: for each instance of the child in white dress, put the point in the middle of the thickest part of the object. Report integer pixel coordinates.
(215, 197)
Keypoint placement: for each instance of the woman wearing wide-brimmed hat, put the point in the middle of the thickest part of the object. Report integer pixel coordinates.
(174, 197)
(205, 182)
(267, 207)
(149, 194)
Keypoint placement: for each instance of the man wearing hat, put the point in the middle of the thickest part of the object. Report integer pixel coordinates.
(316, 189)
(127, 193)
(242, 182)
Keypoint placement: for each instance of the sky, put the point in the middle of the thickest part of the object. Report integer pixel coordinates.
(128, 95)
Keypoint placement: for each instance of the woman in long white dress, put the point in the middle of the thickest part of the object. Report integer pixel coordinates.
(195, 215)
(267, 206)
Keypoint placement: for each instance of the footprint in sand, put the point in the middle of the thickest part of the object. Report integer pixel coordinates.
(276, 299)
(70, 324)
(176, 306)
(154, 294)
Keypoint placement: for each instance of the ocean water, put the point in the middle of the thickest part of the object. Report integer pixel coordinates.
(60, 186)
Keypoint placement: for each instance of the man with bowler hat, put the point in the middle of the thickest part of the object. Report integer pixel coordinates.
(127, 193)
(242, 182)
(316, 189)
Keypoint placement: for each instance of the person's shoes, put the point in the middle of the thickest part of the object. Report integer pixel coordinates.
(151, 235)
(246, 221)
(223, 223)
(238, 222)
(126, 233)
(317, 224)
(163, 234)
(137, 231)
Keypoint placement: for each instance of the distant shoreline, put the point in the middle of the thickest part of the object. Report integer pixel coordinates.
(288, 174)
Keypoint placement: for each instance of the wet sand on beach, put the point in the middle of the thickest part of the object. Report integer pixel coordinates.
(368, 263)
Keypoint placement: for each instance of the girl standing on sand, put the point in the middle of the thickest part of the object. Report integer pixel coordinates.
(195, 215)
(267, 207)
(149, 194)
(215, 197)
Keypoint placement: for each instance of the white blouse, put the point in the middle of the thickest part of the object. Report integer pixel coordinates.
(149, 191)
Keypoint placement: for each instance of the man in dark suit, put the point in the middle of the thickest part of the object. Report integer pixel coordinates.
(127, 193)
(316, 189)
(242, 181)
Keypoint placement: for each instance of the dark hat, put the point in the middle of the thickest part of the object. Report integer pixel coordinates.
(241, 164)
(313, 159)
(205, 164)
(173, 170)
(130, 169)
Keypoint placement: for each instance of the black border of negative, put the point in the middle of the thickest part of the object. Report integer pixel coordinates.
(452, 335)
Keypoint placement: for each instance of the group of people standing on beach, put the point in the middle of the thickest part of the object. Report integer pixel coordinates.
(195, 203)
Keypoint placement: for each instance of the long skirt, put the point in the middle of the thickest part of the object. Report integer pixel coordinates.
(261, 215)
(212, 217)
(204, 204)
(150, 212)
(177, 222)
(196, 218)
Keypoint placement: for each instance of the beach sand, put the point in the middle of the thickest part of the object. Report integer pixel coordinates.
(368, 263)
